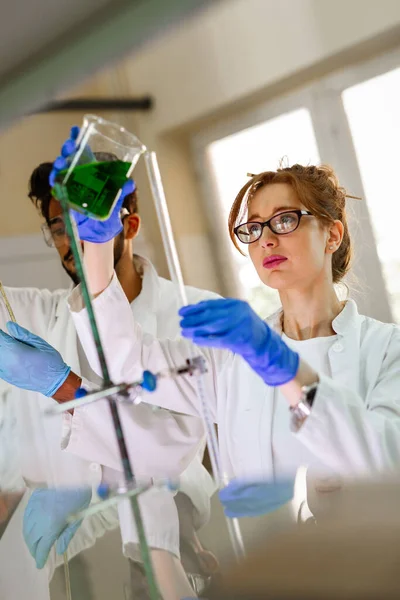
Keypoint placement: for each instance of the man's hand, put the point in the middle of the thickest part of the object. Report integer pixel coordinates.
(30, 363)
(45, 520)
(91, 230)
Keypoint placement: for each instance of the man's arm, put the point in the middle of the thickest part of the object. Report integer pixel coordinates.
(68, 389)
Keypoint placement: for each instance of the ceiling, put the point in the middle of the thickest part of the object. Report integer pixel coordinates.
(47, 46)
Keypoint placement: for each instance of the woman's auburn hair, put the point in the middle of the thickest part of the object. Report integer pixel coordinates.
(318, 189)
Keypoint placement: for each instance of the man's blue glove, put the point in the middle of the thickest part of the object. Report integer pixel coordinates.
(233, 325)
(91, 230)
(45, 520)
(67, 150)
(30, 363)
(246, 499)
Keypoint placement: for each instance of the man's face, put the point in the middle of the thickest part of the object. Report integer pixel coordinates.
(63, 247)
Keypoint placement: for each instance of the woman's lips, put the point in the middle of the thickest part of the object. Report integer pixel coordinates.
(273, 261)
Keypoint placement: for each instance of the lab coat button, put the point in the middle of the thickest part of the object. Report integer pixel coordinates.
(338, 347)
(95, 467)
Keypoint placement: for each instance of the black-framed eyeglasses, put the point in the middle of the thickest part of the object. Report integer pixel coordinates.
(54, 232)
(281, 224)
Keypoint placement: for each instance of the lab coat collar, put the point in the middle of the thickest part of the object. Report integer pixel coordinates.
(147, 299)
(62, 301)
(344, 355)
(348, 318)
(144, 308)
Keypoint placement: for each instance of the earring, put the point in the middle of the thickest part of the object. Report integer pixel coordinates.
(330, 247)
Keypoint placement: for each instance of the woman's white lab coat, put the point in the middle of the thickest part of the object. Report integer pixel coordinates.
(354, 426)
(41, 458)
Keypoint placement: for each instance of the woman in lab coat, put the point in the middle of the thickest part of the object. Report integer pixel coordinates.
(317, 384)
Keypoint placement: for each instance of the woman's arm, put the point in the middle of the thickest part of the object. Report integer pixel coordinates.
(304, 376)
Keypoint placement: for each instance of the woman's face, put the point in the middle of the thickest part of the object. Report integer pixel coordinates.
(301, 256)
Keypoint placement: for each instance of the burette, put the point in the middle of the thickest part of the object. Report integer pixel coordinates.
(175, 272)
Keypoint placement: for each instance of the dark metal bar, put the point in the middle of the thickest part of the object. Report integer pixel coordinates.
(99, 104)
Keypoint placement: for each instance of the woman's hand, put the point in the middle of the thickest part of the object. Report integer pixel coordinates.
(233, 325)
(252, 499)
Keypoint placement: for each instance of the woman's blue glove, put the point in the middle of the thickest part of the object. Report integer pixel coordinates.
(30, 363)
(233, 324)
(252, 499)
(45, 520)
(91, 230)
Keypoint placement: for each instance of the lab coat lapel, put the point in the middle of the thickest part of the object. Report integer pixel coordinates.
(344, 357)
(145, 306)
(268, 408)
(63, 335)
(344, 354)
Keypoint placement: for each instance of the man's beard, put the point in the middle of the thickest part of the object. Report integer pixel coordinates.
(68, 258)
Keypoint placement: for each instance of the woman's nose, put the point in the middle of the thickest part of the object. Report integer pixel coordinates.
(268, 239)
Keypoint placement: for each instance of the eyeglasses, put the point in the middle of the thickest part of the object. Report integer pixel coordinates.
(55, 234)
(282, 224)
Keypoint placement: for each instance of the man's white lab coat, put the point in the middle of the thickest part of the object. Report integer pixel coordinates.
(41, 458)
(354, 426)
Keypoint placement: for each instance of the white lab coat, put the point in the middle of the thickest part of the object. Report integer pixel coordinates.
(19, 574)
(354, 426)
(89, 433)
(41, 458)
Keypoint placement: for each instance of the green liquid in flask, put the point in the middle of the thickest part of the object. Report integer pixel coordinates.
(92, 188)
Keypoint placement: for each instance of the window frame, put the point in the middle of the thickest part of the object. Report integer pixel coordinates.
(323, 100)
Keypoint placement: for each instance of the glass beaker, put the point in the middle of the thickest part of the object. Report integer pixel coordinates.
(105, 158)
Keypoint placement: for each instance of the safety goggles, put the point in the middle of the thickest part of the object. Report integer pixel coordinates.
(55, 234)
(281, 224)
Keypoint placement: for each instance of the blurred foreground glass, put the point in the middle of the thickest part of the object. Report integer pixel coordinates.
(105, 158)
(373, 112)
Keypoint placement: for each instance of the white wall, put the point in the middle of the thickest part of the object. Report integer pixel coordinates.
(241, 46)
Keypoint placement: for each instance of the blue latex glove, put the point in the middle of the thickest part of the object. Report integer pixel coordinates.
(91, 230)
(252, 499)
(30, 363)
(233, 325)
(68, 148)
(45, 520)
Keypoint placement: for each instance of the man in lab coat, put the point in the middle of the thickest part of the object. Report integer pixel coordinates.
(155, 303)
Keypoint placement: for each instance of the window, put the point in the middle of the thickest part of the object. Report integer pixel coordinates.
(350, 120)
(373, 112)
(289, 137)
